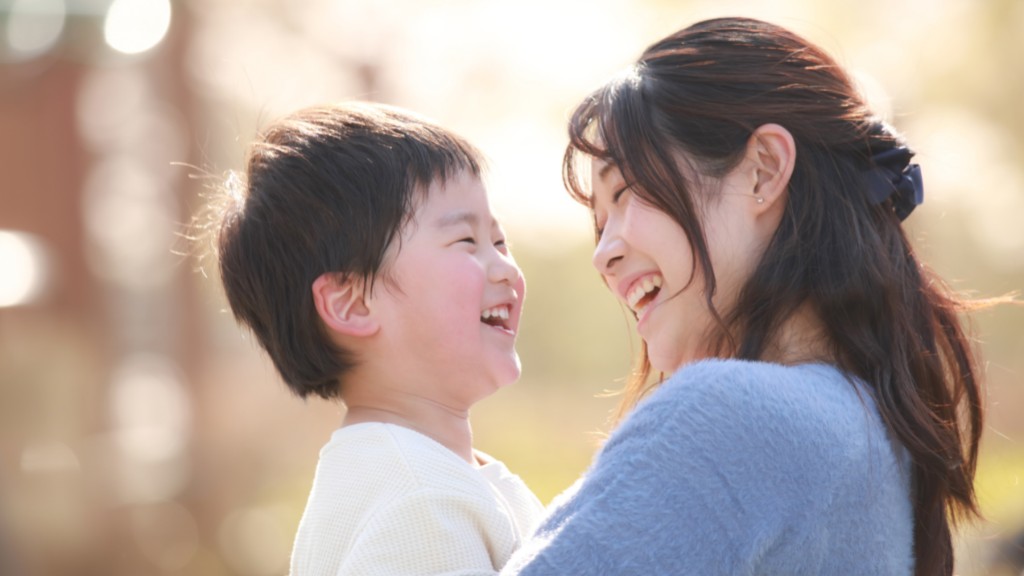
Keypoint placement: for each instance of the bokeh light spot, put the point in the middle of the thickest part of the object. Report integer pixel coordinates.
(35, 26)
(134, 26)
(151, 409)
(25, 265)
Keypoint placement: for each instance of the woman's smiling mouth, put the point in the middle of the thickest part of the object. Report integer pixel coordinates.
(643, 292)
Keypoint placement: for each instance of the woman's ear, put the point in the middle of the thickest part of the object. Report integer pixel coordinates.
(341, 305)
(773, 152)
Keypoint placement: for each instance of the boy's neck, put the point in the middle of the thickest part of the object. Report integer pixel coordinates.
(445, 425)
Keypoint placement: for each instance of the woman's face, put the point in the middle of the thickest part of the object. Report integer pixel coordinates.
(644, 257)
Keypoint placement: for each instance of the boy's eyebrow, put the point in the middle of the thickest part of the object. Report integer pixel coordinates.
(459, 217)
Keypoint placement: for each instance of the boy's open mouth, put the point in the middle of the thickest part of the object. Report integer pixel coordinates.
(496, 316)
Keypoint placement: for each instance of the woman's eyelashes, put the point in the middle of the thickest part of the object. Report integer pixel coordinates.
(601, 220)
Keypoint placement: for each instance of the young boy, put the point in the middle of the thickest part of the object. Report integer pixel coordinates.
(362, 253)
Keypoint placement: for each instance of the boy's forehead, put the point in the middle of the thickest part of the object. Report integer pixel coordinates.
(460, 216)
(458, 199)
(456, 217)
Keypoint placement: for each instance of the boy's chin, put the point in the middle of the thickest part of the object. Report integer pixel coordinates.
(510, 373)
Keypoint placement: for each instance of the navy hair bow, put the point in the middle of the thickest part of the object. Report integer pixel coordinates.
(893, 176)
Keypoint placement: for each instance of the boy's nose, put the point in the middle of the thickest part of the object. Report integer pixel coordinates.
(504, 269)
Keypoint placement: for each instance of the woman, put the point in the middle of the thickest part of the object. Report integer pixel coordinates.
(823, 410)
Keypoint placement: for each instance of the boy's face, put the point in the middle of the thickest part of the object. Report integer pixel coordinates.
(449, 309)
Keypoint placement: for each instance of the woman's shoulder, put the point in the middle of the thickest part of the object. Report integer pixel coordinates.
(812, 408)
(752, 373)
(762, 388)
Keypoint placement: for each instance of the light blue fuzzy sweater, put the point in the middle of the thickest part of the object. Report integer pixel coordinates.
(739, 468)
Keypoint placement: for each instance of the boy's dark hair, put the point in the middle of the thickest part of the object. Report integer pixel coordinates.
(327, 189)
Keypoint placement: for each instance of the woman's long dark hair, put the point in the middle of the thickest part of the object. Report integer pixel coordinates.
(699, 94)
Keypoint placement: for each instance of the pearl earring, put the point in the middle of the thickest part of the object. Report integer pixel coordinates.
(760, 199)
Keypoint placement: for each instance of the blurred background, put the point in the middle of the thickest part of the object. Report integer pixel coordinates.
(142, 433)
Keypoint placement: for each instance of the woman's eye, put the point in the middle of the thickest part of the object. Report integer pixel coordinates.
(468, 239)
(618, 194)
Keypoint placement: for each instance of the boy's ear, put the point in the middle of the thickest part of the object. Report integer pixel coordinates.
(773, 152)
(341, 305)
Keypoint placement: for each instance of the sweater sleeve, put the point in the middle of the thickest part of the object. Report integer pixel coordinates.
(426, 532)
(720, 471)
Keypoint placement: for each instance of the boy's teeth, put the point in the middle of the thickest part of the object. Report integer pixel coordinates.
(496, 312)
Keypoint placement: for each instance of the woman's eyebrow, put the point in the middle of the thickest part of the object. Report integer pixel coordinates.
(602, 172)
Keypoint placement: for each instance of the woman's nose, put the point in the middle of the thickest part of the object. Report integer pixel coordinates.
(610, 249)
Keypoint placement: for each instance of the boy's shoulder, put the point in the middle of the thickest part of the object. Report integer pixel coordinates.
(381, 490)
(374, 452)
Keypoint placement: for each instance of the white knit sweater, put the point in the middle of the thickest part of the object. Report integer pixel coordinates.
(388, 500)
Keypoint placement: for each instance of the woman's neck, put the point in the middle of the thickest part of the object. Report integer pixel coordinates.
(802, 339)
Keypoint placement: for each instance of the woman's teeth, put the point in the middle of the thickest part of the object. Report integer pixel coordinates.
(647, 287)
